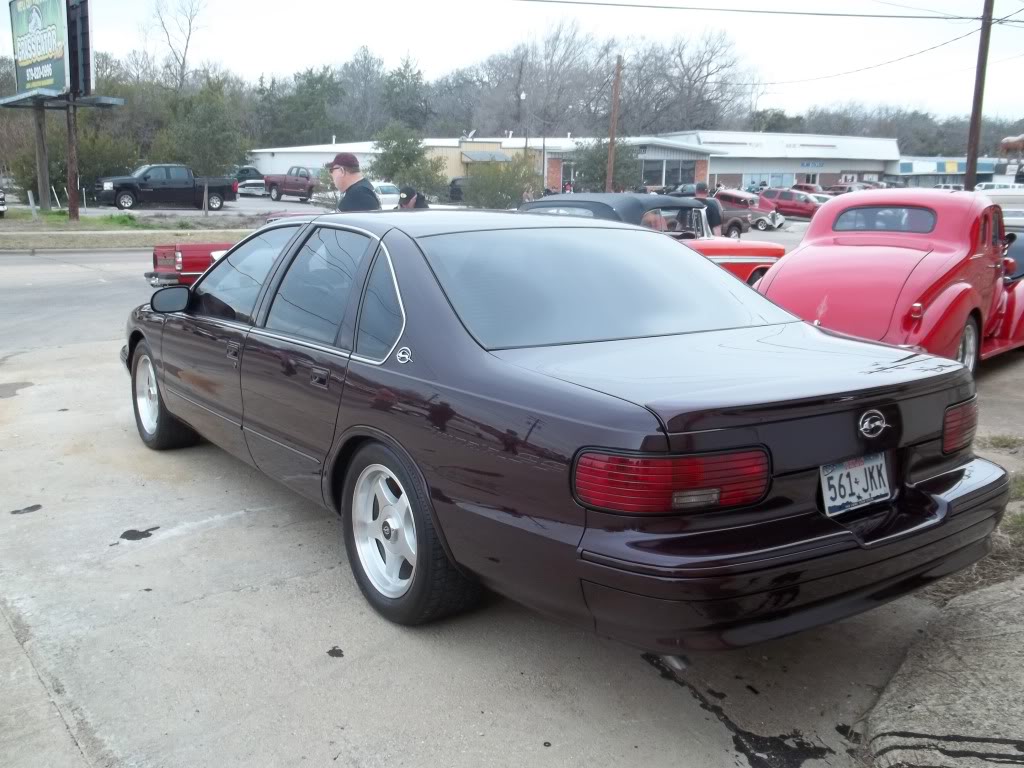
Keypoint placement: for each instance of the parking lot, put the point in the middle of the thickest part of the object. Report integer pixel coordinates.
(179, 609)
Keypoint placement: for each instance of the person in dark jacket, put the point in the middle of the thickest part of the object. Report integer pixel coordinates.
(357, 192)
(409, 198)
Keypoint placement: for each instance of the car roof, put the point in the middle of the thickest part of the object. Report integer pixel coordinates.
(630, 206)
(427, 222)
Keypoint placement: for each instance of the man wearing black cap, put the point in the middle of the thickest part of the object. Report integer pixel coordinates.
(357, 192)
(409, 198)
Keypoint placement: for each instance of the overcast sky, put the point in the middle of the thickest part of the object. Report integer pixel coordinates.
(254, 37)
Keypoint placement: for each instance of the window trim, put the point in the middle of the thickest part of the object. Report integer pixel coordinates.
(932, 211)
(381, 253)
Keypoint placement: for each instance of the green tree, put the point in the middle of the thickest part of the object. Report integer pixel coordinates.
(402, 159)
(591, 161)
(405, 95)
(501, 186)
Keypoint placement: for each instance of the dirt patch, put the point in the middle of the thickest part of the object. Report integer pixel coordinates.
(1010, 443)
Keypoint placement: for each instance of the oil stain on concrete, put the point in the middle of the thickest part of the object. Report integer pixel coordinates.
(27, 510)
(11, 389)
(133, 535)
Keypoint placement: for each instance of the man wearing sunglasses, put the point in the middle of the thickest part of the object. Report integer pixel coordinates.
(357, 192)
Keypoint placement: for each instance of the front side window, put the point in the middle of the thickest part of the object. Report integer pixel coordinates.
(679, 220)
(537, 287)
(786, 196)
(886, 219)
(997, 227)
(771, 194)
(230, 290)
(315, 292)
(381, 319)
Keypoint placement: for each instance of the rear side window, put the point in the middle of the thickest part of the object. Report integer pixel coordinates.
(563, 210)
(230, 289)
(786, 196)
(381, 318)
(997, 227)
(537, 287)
(886, 219)
(178, 173)
(315, 292)
(771, 194)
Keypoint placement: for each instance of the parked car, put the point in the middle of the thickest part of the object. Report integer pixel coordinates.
(683, 190)
(3, 203)
(811, 188)
(388, 194)
(951, 187)
(590, 398)
(917, 268)
(165, 184)
(763, 214)
(822, 198)
(792, 202)
(842, 189)
(457, 189)
(683, 218)
(184, 263)
(250, 181)
(298, 182)
(989, 185)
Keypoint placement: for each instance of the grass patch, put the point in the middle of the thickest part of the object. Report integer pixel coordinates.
(1006, 560)
(1001, 442)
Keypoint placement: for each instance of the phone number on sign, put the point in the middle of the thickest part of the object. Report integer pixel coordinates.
(42, 72)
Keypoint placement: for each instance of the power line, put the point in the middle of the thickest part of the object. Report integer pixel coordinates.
(875, 66)
(758, 11)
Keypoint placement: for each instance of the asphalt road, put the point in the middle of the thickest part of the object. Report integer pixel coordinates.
(178, 609)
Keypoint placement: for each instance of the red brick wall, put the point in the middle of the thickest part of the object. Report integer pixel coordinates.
(553, 179)
(700, 172)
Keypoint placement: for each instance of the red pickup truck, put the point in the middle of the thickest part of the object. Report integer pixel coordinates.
(183, 264)
(298, 182)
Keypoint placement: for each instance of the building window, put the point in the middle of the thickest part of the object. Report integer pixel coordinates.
(679, 172)
(654, 173)
(810, 178)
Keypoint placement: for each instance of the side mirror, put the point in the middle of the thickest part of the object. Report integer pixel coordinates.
(1009, 266)
(1011, 238)
(174, 298)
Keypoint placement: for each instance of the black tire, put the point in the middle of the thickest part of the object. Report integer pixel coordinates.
(169, 432)
(125, 200)
(762, 225)
(971, 361)
(734, 231)
(437, 587)
(303, 199)
(215, 201)
(275, 194)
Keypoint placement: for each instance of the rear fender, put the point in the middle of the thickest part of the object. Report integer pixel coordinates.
(1013, 310)
(938, 331)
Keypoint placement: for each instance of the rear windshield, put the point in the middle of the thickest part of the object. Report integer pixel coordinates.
(537, 287)
(886, 219)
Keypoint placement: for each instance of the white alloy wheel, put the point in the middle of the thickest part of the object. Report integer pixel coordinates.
(967, 353)
(384, 531)
(147, 399)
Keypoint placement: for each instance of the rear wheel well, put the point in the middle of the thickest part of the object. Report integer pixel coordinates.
(976, 314)
(340, 468)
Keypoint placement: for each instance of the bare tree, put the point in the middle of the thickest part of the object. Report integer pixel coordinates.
(178, 21)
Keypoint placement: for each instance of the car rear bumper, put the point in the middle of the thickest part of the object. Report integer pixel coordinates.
(772, 594)
(163, 279)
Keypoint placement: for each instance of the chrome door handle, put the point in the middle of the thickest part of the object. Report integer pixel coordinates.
(232, 350)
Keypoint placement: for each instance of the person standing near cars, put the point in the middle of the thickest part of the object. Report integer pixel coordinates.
(357, 192)
(409, 198)
(712, 207)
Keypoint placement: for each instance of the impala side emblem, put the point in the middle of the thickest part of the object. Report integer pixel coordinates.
(872, 424)
(404, 355)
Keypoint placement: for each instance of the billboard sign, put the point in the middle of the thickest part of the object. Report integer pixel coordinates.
(40, 32)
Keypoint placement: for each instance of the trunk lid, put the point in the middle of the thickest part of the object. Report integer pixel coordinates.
(852, 289)
(793, 388)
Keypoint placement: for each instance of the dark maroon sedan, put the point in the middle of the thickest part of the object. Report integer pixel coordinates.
(577, 414)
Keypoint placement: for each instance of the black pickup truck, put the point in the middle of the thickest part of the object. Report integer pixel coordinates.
(166, 185)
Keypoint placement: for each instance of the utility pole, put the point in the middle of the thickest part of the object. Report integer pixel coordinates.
(42, 160)
(73, 184)
(610, 174)
(974, 135)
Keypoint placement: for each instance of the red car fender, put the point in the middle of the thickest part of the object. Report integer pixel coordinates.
(939, 330)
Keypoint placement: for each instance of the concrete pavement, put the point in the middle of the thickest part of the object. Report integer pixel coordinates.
(179, 609)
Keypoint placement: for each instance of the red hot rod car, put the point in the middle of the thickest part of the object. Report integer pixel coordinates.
(924, 269)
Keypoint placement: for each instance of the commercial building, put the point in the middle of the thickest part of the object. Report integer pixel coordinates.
(744, 158)
(929, 171)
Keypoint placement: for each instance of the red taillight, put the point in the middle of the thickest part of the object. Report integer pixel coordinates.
(234, 187)
(959, 426)
(646, 484)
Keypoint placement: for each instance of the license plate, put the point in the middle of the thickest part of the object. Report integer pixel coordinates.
(854, 483)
